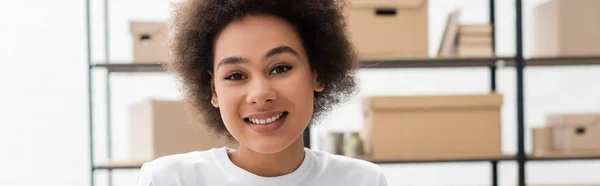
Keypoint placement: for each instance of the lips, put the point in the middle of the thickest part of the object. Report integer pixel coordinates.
(266, 122)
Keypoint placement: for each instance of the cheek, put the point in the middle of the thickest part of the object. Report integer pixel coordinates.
(299, 91)
(229, 100)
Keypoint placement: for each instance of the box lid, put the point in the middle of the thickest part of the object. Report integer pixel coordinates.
(410, 4)
(147, 27)
(398, 103)
(580, 119)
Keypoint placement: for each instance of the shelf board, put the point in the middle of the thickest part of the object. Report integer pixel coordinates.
(131, 67)
(457, 160)
(563, 61)
(119, 165)
(564, 156)
(433, 62)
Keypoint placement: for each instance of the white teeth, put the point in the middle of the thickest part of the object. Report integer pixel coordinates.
(265, 121)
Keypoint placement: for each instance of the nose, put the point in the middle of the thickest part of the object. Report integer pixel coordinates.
(260, 92)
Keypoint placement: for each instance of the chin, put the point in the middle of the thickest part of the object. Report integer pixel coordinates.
(271, 144)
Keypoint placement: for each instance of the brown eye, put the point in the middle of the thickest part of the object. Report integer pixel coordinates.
(235, 77)
(281, 69)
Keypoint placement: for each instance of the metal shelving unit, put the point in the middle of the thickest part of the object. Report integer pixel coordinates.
(518, 62)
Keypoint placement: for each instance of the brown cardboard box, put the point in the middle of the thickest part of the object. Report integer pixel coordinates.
(447, 46)
(565, 28)
(542, 141)
(481, 30)
(575, 132)
(149, 42)
(162, 127)
(432, 127)
(389, 29)
(475, 51)
(466, 40)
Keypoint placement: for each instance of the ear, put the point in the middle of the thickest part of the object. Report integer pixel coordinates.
(214, 99)
(316, 84)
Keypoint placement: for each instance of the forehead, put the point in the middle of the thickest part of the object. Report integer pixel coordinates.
(254, 35)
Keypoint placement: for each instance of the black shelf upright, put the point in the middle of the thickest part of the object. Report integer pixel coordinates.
(493, 69)
(519, 65)
(493, 24)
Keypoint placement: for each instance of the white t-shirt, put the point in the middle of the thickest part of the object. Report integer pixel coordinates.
(213, 167)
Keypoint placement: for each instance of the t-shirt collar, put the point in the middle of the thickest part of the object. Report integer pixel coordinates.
(238, 174)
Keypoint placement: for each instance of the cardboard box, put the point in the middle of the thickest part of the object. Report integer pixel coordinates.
(575, 132)
(432, 127)
(475, 51)
(542, 141)
(565, 28)
(150, 44)
(466, 40)
(447, 47)
(389, 29)
(481, 30)
(161, 127)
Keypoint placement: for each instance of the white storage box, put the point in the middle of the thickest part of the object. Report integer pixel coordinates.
(149, 42)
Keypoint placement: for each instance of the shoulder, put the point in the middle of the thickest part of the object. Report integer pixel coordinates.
(332, 161)
(355, 169)
(162, 169)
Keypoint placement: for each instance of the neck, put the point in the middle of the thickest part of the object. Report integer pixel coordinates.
(270, 165)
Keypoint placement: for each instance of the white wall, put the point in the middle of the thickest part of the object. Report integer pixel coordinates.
(43, 105)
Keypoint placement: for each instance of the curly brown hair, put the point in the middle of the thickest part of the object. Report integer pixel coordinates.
(320, 24)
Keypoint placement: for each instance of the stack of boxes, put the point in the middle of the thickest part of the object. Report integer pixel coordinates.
(465, 40)
(474, 40)
(568, 134)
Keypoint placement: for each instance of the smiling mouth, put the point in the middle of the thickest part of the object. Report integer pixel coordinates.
(265, 121)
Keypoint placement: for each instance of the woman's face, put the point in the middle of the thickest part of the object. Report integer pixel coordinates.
(263, 83)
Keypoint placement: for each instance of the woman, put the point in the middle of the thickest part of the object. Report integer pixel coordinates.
(258, 73)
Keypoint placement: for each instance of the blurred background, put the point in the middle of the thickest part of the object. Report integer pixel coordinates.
(44, 103)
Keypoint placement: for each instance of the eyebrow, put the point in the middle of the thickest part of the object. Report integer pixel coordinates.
(270, 53)
(232, 60)
(279, 50)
